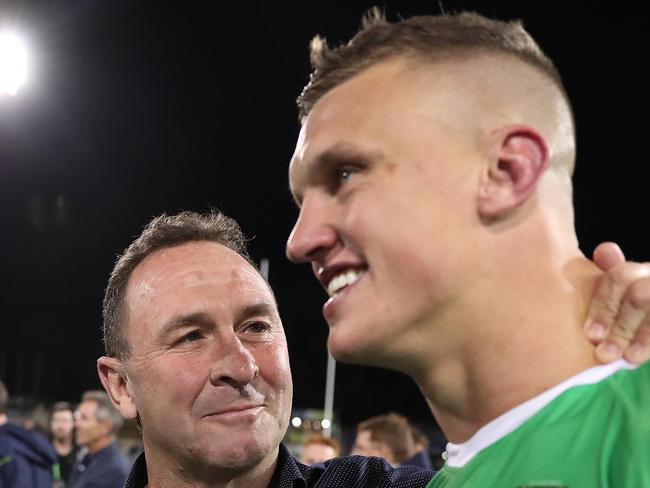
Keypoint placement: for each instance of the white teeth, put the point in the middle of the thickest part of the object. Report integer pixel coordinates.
(341, 280)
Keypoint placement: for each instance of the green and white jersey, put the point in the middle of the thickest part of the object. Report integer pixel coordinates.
(590, 431)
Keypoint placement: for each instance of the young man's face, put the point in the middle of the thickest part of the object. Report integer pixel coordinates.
(383, 173)
(209, 370)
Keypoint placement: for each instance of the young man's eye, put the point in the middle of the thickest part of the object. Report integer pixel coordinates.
(345, 174)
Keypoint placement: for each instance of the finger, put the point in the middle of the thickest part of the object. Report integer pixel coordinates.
(639, 351)
(608, 296)
(607, 255)
(632, 316)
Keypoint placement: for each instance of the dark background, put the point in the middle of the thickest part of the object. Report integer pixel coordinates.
(135, 108)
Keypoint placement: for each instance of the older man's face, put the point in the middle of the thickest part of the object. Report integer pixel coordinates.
(209, 370)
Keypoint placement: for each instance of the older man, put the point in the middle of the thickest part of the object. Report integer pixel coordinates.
(196, 353)
(97, 422)
(433, 174)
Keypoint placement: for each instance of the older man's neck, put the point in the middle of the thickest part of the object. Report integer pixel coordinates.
(527, 339)
(166, 475)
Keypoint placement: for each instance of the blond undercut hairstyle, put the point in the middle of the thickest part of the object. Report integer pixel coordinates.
(423, 38)
(162, 232)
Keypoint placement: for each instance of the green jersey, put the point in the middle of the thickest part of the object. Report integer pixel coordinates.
(590, 431)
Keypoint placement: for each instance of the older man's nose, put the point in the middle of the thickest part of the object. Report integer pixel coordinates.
(235, 365)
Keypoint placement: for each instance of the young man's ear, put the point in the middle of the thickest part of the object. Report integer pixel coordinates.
(519, 159)
(113, 376)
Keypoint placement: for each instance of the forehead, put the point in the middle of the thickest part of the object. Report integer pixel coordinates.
(173, 278)
(88, 406)
(387, 101)
(62, 414)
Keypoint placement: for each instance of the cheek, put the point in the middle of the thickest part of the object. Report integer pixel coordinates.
(273, 362)
(169, 383)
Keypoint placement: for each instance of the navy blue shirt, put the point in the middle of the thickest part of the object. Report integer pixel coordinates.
(107, 468)
(347, 471)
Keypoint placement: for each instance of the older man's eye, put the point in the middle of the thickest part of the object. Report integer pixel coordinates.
(193, 336)
(257, 327)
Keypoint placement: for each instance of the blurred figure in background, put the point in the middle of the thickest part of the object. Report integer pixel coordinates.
(387, 436)
(96, 423)
(420, 454)
(318, 449)
(26, 458)
(61, 428)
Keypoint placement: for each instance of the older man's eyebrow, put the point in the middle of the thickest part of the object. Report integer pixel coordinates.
(181, 321)
(260, 308)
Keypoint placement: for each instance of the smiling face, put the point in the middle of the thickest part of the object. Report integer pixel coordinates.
(209, 371)
(384, 173)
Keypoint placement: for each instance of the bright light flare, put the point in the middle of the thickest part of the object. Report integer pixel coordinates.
(13, 63)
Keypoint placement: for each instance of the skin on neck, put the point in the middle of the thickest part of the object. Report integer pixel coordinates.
(3, 418)
(165, 472)
(525, 338)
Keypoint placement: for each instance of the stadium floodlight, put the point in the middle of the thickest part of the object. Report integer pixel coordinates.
(13, 63)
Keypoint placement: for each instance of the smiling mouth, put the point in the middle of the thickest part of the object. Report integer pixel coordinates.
(234, 410)
(342, 280)
(235, 413)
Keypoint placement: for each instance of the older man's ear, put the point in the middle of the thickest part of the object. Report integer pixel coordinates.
(112, 374)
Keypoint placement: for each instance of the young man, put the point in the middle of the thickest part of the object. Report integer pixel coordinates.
(433, 174)
(62, 437)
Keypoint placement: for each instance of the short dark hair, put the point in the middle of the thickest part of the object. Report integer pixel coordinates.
(162, 232)
(440, 37)
(393, 430)
(4, 397)
(105, 409)
(61, 407)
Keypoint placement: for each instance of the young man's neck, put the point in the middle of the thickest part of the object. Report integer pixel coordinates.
(526, 338)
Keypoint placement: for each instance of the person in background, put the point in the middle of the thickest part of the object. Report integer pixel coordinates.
(27, 460)
(96, 423)
(388, 436)
(318, 448)
(62, 438)
(419, 456)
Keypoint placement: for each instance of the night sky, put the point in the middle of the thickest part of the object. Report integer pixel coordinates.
(135, 108)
